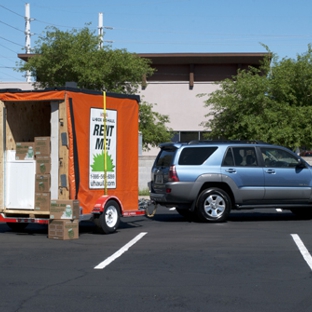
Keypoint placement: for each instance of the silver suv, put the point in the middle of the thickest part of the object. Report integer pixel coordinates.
(208, 179)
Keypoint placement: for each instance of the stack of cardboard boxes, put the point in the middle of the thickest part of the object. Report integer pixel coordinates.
(64, 214)
(64, 219)
(39, 150)
(42, 151)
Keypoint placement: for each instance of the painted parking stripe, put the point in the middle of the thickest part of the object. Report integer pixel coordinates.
(304, 251)
(118, 253)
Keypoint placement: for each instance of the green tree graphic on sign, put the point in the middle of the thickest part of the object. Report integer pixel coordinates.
(98, 162)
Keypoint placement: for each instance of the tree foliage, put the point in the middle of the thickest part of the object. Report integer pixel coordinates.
(74, 56)
(272, 103)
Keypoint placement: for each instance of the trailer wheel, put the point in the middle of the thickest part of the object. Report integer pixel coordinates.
(17, 227)
(110, 218)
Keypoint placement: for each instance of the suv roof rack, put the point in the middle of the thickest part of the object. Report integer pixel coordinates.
(227, 141)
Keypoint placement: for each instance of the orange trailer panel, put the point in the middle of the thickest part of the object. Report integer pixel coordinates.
(86, 131)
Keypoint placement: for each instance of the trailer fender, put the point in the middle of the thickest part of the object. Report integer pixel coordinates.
(101, 201)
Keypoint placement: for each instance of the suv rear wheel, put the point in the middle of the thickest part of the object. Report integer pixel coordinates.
(213, 205)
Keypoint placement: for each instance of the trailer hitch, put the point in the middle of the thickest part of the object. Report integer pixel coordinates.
(147, 205)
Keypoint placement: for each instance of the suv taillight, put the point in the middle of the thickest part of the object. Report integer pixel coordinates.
(173, 177)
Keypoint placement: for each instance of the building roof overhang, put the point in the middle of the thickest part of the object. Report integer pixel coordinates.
(194, 58)
(205, 58)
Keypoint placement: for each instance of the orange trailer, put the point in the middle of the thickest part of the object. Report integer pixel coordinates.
(92, 155)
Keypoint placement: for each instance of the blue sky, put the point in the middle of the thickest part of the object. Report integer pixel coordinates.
(163, 26)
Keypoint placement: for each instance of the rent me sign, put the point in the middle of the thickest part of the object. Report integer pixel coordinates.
(97, 155)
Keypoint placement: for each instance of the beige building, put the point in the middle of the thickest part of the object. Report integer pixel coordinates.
(174, 87)
(16, 85)
(178, 80)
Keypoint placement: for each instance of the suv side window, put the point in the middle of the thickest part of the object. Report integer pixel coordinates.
(278, 158)
(228, 159)
(196, 155)
(245, 156)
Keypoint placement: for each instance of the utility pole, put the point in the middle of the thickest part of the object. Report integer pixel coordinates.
(100, 30)
(27, 37)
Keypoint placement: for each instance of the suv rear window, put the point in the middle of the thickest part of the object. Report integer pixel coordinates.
(165, 157)
(196, 155)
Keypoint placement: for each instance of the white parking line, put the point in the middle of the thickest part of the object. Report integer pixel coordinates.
(118, 253)
(304, 251)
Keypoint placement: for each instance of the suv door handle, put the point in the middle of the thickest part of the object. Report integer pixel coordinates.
(230, 170)
(270, 171)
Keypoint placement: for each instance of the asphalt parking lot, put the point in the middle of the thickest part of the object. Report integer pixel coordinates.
(167, 263)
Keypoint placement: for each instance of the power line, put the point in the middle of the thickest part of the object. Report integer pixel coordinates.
(37, 20)
(7, 58)
(11, 42)
(12, 26)
(11, 11)
(8, 48)
(157, 31)
(15, 77)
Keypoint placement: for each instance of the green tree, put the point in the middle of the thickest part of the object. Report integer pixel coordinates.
(61, 57)
(272, 103)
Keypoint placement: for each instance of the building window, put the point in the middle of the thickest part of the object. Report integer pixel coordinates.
(176, 137)
(187, 136)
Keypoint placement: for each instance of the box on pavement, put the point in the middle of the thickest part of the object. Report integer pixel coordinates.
(42, 146)
(43, 164)
(42, 183)
(63, 229)
(42, 201)
(24, 150)
(64, 209)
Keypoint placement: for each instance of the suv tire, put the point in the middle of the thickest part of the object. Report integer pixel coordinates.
(213, 205)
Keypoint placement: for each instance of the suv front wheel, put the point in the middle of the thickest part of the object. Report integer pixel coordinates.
(213, 205)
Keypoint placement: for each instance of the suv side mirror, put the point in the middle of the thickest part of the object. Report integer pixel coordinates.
(301, 163)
